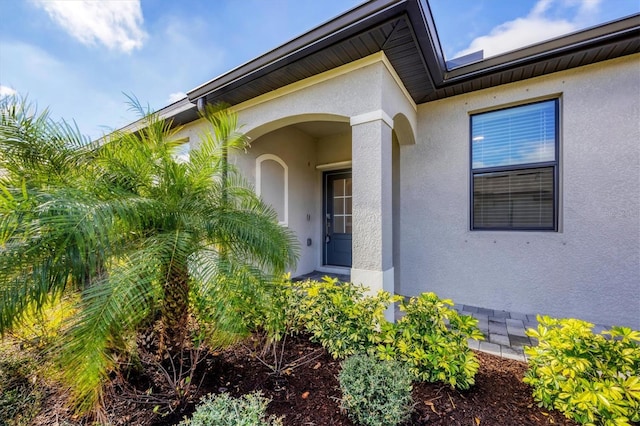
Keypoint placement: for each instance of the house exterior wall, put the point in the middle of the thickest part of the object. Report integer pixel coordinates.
(590, 268)
(298, 151)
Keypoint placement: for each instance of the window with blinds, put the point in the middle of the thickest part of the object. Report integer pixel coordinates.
(514, 168)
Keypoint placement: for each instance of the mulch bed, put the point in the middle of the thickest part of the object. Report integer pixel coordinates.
(311, 394)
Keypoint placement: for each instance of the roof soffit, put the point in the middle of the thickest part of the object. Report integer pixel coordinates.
(405, 31)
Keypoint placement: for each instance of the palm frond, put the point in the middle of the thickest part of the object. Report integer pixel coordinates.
(124, 223)
(109, 309)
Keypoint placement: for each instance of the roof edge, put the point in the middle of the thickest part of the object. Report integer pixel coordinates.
(308, 42)
(582, 39)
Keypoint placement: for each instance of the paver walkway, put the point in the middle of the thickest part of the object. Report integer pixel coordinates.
(504, 332)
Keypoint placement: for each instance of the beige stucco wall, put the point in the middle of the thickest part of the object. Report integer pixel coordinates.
(591, 268)
(298, 151)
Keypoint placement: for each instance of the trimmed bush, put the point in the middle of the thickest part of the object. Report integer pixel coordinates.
(223, 410)
(591, 378)
(342, 317)
(431, 338)
(374, 392)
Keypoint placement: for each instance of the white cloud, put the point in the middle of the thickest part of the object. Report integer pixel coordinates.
(175, 97)
(115, 24)
(537, 26)
(7, 91)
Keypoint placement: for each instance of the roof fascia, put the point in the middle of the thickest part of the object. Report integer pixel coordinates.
(425, 34)
(580, 40)
(362, 16)
(183, 106)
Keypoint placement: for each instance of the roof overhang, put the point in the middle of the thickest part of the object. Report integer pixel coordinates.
(406, 32)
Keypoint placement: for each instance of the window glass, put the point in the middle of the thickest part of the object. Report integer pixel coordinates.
(516, 199)
(521, 135)
(514, 168)
(181, 152)
(338, 187)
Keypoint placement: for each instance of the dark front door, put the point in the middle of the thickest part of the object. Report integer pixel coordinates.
(337, 218)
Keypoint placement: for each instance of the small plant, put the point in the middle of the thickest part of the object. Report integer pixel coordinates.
(374, 392)
(591, 378)
(223, 410)
(432, 339)
(274, 320)
(40, 327)
(342, 317)
(25, 364)
(20, 394)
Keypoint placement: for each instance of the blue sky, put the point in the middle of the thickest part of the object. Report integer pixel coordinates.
(79, 57)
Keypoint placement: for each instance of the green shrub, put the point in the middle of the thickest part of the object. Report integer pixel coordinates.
(272, 321)
(25, 359)
(432, 339)
(342, 317)
(223, 410)
(374, 392)
(41, 328)
(276, 312)
(591, 378)
(20, 394)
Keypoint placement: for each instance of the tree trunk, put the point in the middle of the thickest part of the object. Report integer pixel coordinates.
(175, 309)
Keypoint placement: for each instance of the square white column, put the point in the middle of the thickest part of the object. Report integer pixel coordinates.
(372, 202)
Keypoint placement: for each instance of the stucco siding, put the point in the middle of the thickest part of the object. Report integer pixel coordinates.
(297, 151)
(344, 95)
(589, 269)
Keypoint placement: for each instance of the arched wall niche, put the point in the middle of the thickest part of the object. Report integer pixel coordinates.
(272, 184)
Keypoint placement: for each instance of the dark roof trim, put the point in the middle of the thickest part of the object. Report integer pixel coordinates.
(179, 112)
(584, 39)
(353, 21)
(421, 19)
(414, 50)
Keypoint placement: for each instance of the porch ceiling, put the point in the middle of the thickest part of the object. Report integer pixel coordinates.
(405, 31)
(322, 129)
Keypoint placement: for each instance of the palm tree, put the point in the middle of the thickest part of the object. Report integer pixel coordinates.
(138, 232)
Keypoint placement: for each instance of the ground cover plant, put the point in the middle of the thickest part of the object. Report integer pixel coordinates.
(591, 378)
(224, 410)
(374, 392)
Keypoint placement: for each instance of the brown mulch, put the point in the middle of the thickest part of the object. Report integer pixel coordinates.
(310, 396)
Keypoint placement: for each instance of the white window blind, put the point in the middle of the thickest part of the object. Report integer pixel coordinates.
(514, 168)
(520, 135)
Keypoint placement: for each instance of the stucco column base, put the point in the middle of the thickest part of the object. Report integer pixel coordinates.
(376, 281)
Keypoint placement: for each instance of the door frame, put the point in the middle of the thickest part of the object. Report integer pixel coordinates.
(325, 175)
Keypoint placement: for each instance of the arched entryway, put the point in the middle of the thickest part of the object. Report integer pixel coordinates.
(301, 166)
